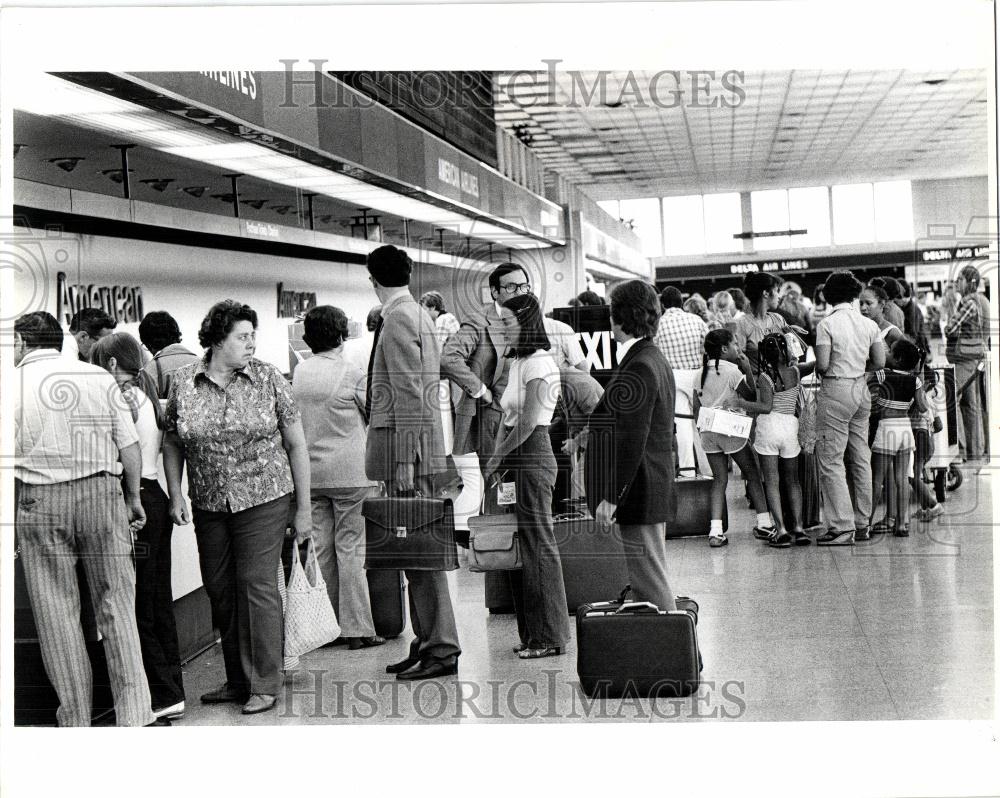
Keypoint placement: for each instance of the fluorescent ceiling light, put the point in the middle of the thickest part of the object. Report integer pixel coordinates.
(46, 95)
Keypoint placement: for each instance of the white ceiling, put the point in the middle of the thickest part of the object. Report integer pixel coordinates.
(794, 128)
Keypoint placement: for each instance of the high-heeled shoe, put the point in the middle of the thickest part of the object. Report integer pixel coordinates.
(538, 653)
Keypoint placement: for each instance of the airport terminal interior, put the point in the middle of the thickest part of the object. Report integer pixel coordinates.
(168, 191)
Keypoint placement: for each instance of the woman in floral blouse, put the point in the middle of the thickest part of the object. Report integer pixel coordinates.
(233, 420)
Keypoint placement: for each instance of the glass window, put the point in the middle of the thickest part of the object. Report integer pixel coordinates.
(853, 214)
(723, 219)
(769, 211)
(645, 217)
(809, 209)
(684, 225)
(893, 211)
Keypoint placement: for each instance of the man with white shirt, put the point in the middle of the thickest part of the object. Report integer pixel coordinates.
(680, 336)
(75, 450)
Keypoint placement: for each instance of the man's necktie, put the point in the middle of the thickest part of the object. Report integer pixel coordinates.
(371, 367)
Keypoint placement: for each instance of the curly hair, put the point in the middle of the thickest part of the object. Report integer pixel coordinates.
(325, 328)
(636, 308)
(221, 319)
(842, 286)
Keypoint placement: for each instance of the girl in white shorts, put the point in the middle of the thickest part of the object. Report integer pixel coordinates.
(897, 390)
(777, 440)
(724, 385)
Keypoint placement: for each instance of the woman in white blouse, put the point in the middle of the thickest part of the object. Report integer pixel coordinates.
(121, 354)
(523, 454)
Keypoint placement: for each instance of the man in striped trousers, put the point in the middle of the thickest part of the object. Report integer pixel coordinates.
(74, 441)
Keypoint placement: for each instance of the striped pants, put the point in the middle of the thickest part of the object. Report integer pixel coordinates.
(85, 519)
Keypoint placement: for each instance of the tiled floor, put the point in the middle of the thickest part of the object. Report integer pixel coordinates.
(894, 629)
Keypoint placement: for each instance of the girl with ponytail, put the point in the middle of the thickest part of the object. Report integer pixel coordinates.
(725, 383)
(122, 356)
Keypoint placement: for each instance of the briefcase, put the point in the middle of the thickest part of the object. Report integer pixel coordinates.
(409, 533)
(633, 649)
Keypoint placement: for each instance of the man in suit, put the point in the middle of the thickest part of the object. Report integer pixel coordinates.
(405, 447)
(629, 464)
(473, 359)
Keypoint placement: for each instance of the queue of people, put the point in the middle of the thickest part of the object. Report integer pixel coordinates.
(263, 456)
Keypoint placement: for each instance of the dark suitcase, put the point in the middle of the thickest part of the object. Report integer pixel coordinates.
(35, 700)
(811, 497)
(406, 532)
(694, 508)
(632, 649)
(387, 592)
(592, 558)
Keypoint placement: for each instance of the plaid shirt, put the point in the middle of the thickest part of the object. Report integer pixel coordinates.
(681, 338)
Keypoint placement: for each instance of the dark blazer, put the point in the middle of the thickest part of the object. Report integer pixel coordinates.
(630, 453)
(471, 358)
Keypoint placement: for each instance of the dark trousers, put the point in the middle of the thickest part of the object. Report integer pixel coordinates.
(432, 615)
(154, 599)
(239, 554)
(538, 589)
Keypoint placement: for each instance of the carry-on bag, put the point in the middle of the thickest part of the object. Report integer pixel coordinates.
(694, 508)
(409, 532)
(632, 648)
(387, 593)
(592, 558)
(493, 543)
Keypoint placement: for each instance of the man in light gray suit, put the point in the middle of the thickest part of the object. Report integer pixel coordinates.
(405, 446)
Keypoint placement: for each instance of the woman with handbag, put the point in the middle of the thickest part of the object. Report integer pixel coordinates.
(233, 420)
(523, 448)
(330, 392)
(630, 460)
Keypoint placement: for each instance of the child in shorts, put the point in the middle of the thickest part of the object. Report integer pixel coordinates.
(897, 389)
(724, 385)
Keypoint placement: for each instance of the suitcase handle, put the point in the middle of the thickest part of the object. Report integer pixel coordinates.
(573, 516)
(632, 606)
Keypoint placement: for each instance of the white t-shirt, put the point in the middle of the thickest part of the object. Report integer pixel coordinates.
(565, 342)
(150, 436)
(541, 365)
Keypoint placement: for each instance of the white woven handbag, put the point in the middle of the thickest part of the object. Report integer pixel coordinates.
(288, 663)
(310, 621)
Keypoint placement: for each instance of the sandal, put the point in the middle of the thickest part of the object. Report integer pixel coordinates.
(538, 653)
(885, 525)
(835, 538)
(800, 539)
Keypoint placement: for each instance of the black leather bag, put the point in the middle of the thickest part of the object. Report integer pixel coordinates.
(409, 533)
(634, 649)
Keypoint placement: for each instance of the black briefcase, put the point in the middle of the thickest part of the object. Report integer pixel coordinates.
(409, 533)
(633, 649)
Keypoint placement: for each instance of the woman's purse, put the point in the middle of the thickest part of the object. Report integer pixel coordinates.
(493, 542)
(310, 621)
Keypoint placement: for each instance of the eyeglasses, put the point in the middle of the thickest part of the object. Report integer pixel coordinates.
(516, 288)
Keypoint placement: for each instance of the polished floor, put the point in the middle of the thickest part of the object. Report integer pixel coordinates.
(894, 629)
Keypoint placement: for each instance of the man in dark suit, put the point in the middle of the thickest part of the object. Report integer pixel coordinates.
(629, 463)
(473, 359)
(405, 446)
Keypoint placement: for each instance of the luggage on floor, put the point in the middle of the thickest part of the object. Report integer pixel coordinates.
(409, 532)
(694, 508)
(35, 699)
(387, 592)
(631, 648)
(592, 558)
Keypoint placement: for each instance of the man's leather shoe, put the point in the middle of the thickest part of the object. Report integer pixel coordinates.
(160, 722)
(429, 670)
(226, 695)
(259, 703)
(404, 665)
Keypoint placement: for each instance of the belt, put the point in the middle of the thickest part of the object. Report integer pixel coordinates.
(844, 378)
